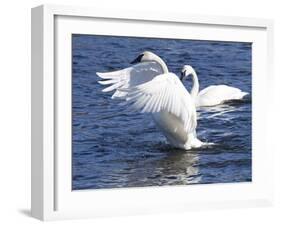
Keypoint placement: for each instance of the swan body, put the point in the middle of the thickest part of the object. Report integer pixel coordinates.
(218, 94)
(212, 95)
(174, 131)
(149, 88)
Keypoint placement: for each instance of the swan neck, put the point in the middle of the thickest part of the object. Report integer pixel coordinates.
(162, 64)
(195, 87)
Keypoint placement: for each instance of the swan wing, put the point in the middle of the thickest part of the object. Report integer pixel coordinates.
(217, 94)
(129, 77)
(165, 92)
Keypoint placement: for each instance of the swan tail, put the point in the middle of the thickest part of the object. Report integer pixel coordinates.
(238, 96)
(243, 94)
(194, 142)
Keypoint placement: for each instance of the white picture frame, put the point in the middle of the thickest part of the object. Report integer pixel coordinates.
(52, 197)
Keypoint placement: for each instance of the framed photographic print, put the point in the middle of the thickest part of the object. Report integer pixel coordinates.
(137, 112)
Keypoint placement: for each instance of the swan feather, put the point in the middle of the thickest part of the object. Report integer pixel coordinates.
(129, 77)
(166, 93)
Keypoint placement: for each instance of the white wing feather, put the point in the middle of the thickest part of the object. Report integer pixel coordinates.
(129, 77)
(165, 92)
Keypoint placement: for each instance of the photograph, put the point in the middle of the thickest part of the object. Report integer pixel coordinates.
(149, 111)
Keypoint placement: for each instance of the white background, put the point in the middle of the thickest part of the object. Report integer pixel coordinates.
(15, 112)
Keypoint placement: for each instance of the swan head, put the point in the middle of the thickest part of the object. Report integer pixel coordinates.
(186, 71)
(145, 56)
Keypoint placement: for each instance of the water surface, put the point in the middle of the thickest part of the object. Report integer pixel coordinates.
(112, 147)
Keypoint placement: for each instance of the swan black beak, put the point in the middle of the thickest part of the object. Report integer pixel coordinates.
(137, 60)
(182, 75)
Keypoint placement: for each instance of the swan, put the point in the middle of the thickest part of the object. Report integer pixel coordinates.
(149, 87)
(212, 95)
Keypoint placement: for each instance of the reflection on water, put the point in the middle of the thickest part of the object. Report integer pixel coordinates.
(113, 147)
(182, 166)
(177, 167)
(217, 111)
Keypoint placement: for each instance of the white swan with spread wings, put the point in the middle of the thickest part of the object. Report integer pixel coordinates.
(150, 88)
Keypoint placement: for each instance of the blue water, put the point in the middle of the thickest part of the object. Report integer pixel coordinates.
(116, 148)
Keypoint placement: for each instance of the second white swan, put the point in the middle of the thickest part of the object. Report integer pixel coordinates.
(212, 95)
